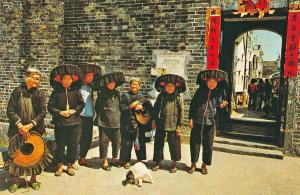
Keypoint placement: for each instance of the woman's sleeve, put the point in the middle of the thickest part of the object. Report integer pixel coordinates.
(80, 103)
(193, 104)
(51, 104)
(12, 108)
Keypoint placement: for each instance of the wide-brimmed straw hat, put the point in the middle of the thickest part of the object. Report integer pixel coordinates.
(102, 81)
(58, 72)
(170, 78)
(219, 75)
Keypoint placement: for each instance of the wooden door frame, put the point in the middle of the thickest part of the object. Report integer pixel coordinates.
(232, 27)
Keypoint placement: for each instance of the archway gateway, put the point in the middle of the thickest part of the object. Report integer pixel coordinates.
(232, 26)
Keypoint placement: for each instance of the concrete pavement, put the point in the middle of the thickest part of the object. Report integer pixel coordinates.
(229, 174)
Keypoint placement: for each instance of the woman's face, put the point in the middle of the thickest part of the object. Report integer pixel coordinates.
(212, 83)
(170, 88)
(33, 81)
(134, 87)
(88, 79)
(111, 85)
(66, 81)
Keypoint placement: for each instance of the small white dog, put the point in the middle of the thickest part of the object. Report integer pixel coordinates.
(137, 174)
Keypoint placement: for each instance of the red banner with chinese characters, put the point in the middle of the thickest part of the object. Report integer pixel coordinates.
(213, 42)
(292, 45)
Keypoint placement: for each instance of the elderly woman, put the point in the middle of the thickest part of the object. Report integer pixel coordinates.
(132, 131)
(65, 104)
(202, 115)
(26, 111)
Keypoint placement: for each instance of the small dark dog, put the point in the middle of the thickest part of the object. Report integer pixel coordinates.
(137, 174)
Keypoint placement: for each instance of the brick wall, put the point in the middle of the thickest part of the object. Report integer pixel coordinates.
(30, 35)
(118, 35)
(121, 35)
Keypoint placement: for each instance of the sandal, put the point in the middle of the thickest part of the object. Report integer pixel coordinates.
(13, 188)
(35, 185)
(58, 172)
(173, 170)
(155, 168)
(115, 164)
(203, 171)
(106, 167)
(191, 170)
(70, 171)
(127, 165)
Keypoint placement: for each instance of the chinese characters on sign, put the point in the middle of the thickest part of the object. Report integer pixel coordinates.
(292, 44)
(213, 40)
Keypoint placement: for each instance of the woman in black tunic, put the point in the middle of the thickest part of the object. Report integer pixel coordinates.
(65, 104)
(108, 110)
(168, 116)
(202, 115)
(26, 111)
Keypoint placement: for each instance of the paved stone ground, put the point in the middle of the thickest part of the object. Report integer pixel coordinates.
(229, 174)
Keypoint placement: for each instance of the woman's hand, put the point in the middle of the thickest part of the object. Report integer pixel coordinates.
(223, 104)
(134, 104)
(191, 124)
(65, 113)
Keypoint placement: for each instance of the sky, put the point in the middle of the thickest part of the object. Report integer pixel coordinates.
(270, 43)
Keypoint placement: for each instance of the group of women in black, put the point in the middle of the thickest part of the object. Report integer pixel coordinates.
(122, 119)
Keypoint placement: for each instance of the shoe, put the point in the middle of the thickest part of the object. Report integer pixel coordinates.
(13, 188)
(203, 171)
(59, 170)
(173, 170)
(127, 165)
(191, 170)
(75, 167)
(35, 185)
(70, 171)
(114, 163)
(106, 167)
(155, 168)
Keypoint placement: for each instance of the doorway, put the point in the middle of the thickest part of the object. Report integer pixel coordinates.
(242, 59)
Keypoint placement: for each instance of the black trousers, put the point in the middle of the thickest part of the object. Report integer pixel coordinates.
(67, 136)
(106, 135)
(173, 142)
(127, 142)
(86, 135)
(207, 142)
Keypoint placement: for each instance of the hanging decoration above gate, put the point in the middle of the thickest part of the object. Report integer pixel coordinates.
(212, 36)
(292, 42)
(261, 7)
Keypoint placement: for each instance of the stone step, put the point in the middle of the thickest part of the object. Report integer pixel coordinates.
(223, 140)
(270, 139)
(235, 149)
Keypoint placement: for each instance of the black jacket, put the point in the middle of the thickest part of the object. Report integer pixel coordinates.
(199, 100)
(108, 109)
(158, 111)
(58, 102)
(14, 108)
